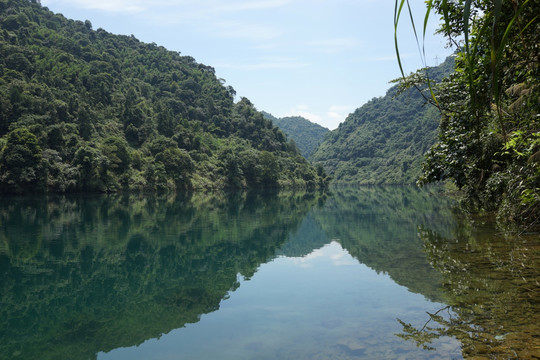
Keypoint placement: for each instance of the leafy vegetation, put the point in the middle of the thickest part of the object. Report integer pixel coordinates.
(305, 134)
(384, 141)
(489, 136)
(85, 110)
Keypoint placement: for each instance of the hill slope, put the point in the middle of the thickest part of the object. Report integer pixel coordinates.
(384, 141)
(85, 110)
(307, 135)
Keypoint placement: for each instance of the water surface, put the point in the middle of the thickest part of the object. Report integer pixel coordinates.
(386, 273)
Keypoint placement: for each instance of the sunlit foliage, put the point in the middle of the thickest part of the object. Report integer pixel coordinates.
(301, 132)
(384, 141)
(489, 136)
(107, 112)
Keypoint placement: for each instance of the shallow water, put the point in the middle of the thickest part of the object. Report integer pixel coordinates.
(369, 273)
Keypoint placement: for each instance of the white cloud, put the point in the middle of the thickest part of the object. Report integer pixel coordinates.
(303, 111)
(212, 10)
(190, 6)
(232, 6)
(339, 111)
(332, 252)
(310, 116)
(342, 259)
(337, 114)
(307, 261)
(318, 253)
(104, 5)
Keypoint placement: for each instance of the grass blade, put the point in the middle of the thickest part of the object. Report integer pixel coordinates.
(397, 13)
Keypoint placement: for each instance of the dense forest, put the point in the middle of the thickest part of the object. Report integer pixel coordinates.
(305, 134)
(85, 110)
(489, 135)
(385, 140)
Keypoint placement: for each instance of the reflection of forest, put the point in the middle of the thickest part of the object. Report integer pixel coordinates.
(489, 281)
(308, 237)
(81, 275)
(379, 227)
(492, 285)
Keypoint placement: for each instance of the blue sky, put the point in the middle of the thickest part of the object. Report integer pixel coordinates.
(313, 58)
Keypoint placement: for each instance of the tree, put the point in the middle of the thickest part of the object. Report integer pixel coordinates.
(270, 168)
(116, 150)
(92, 98)
(178, 166)
(21, 167)
(233, 168)
(489, 136)
(92, 166)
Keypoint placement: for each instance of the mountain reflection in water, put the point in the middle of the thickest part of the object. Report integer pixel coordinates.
(87, 274)
(82, 276)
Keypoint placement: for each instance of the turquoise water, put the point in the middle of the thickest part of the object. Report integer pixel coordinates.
(325, 305)
(369, 273)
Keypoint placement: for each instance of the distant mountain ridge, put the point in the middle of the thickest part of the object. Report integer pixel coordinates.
(306, 134)
(385, 140)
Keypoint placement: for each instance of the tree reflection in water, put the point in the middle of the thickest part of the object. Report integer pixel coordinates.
(84, 274)
(491, 284)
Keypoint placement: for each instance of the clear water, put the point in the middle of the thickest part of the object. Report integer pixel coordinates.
(370, 273)
(322, 306)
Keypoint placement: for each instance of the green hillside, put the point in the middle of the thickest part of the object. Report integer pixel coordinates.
(86, 110)
(307, 135)
(384, 141)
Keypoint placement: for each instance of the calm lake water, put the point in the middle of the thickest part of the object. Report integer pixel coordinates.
(368, 273)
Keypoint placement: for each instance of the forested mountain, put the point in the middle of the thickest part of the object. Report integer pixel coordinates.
(307, 135)
(86, 110)
(384, 141)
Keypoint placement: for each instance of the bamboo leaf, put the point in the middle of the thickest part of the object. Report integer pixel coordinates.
(399, 5)
(466, 16)
(529, 24)
(426, 18)
(468, 57)
(444, 7)
(429, 4)
(397, 13)
(496, 17)
(415, 32)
